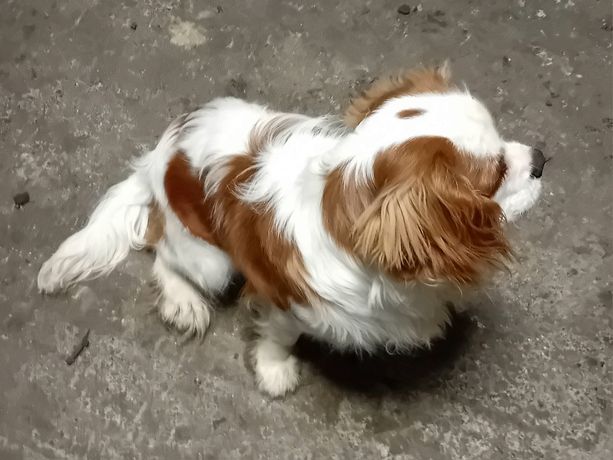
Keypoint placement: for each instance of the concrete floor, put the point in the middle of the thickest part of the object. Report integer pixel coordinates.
(86, 84)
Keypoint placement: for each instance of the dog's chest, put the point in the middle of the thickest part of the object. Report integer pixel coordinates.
(381, 313)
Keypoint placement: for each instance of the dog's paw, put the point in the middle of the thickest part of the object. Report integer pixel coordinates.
(186, 311)
(276, 377)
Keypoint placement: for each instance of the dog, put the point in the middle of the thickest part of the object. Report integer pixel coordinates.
(359, 233)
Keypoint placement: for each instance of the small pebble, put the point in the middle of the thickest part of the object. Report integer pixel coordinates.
(21, 199)
(133, 25)
(404, 9)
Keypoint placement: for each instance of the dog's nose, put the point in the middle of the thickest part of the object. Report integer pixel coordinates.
(538, 162)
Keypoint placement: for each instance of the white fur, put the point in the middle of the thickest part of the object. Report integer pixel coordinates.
(359, 308)
(205, 265)
(456, 116)
(118, 224)
(277, 371)
(181, 305)
(519, 192)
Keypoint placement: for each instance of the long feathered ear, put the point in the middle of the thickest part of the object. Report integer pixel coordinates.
(432, 218)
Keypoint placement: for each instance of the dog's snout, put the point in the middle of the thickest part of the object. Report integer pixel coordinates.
(538, 162)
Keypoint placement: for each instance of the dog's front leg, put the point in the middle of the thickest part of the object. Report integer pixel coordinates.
(277, 371)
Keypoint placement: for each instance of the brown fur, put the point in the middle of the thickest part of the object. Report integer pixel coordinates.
(427, 215)
(427, 80)
(265, 133)
(271, 264)
(410, 113)
(343, 202)
(186, 198)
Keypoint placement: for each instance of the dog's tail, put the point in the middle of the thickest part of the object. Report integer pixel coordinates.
(118, 224)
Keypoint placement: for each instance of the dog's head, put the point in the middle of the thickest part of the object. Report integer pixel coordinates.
(425, 182)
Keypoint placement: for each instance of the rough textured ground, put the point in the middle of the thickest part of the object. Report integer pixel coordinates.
(86, 84)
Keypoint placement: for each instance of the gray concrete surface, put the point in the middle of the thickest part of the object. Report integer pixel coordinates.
(86, 84)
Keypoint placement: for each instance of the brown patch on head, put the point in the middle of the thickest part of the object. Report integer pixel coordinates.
(427, 215)
(427, 80)
(271, 264)
(409, 113)
(155, 225)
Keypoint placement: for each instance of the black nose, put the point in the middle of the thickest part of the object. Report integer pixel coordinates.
(538, 162)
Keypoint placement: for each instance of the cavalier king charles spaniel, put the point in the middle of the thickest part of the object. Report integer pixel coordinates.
(360, 234)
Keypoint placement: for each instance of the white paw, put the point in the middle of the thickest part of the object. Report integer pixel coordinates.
(186, 311)
(276, 377)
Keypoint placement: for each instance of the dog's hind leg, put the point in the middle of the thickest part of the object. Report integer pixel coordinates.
(191, 274)
(181, 305)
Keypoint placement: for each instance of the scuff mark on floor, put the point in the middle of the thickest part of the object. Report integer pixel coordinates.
(186, 34)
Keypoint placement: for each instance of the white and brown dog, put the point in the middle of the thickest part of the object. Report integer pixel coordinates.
(357, 234)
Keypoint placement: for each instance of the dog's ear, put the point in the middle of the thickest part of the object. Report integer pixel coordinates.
(429, 219)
